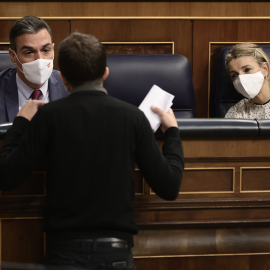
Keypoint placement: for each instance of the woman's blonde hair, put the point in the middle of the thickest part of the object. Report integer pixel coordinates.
(248, 49)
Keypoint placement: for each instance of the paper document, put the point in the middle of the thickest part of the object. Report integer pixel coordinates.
(159, 98)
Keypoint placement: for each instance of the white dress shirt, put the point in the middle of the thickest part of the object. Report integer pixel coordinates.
(25, 92)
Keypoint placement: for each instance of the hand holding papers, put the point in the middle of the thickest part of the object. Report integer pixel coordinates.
(159, 98)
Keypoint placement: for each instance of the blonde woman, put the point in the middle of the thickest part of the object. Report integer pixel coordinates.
(248, 66)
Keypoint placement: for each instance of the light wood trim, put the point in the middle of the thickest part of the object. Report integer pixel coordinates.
(136, 42)
(200, 255)
(208, 192)
(209, 62)
(251, 191)
(145, 18)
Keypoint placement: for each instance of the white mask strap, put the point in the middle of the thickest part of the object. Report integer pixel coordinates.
(261, 70)
(19, 62)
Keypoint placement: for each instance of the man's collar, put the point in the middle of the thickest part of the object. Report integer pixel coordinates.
(89, 86)
(27, 90)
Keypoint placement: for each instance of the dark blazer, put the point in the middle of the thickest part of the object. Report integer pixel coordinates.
(9, 101)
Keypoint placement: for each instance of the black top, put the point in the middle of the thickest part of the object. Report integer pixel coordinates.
(91, 142)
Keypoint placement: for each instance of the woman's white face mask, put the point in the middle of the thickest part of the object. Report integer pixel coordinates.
(249, 85)
(38, 71)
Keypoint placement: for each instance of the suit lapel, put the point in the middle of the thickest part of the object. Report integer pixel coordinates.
(54, 90)
(11, 96)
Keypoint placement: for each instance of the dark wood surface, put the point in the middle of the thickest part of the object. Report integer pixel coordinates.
(211, 221)
(261, 183)
(209, 180)
(22, 240)
(139, 48)
(136, 8)
(140, 31)
(192, 242)
(251, 262)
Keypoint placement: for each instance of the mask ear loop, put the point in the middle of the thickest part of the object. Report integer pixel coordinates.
(19, 62)
(265, 77)
(256, 50)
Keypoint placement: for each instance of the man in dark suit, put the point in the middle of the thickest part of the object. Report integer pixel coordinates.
(92, 142)
(32, 51)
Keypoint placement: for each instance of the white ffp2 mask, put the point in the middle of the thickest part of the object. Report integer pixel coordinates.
(249, 85)
(38, 71)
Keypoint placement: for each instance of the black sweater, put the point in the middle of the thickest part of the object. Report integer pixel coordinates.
(91, 142)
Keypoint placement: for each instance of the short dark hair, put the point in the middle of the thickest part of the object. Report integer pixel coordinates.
(81, 59)
(26, 25)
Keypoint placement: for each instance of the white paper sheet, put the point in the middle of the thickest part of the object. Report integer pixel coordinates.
(159, 98)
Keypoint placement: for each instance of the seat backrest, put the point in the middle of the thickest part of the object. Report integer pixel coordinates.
(132, 76)
(5, 61)
(222, 93)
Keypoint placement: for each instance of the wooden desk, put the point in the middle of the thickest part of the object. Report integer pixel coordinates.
(221, 216)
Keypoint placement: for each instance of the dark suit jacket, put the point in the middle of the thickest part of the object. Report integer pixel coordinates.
(9, 101)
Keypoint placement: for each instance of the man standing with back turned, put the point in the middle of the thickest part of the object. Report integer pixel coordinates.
(91, 142)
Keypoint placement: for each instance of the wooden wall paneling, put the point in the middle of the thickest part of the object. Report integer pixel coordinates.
(225, 147)
(204, 214)
(246, 262)
(22, 240)
(69, 8)
(253, 30)
(201, 241)
(207, 180)
(177, 31)
(199, 263)
(259, 262)
(203, 33)
(139, 48)
(243, 240)
(4, 46)
(255, 179)
(5, 27)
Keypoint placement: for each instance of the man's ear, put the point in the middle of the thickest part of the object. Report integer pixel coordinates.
(106, 74)
(12, 56)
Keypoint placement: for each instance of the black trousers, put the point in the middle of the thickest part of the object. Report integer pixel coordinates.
(80, 254)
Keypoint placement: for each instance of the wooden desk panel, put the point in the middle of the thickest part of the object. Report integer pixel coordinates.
(212, 220)
(22, 240)
(140, 31)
